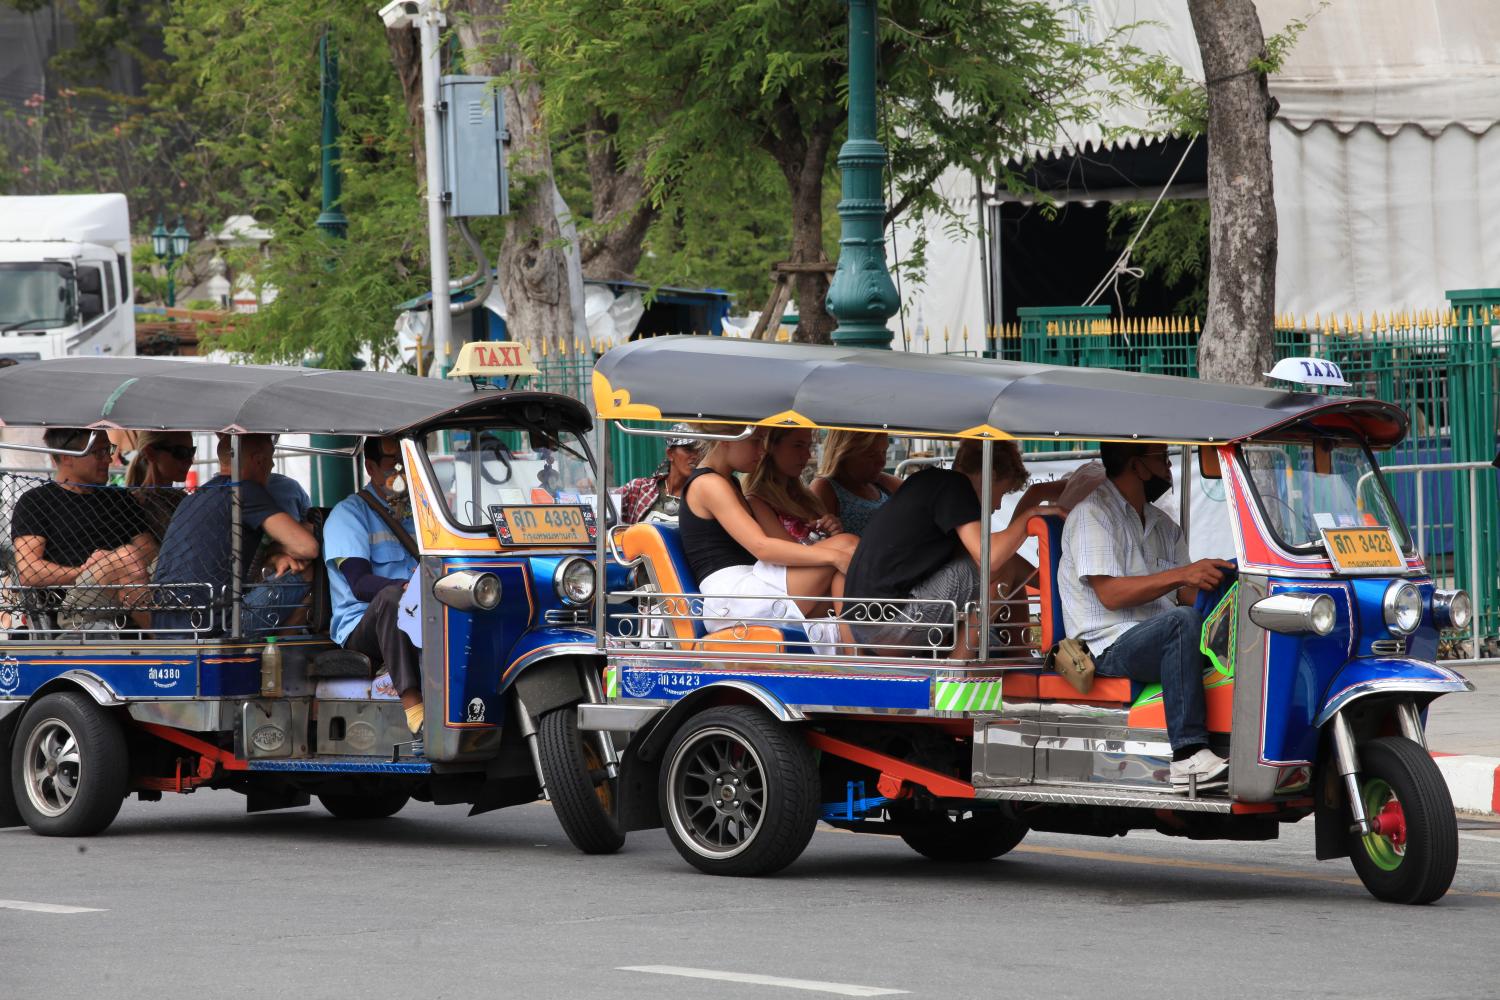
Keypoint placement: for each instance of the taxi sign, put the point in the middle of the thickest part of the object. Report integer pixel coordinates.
(1308, 371)
(1363, 550)
(493, 359)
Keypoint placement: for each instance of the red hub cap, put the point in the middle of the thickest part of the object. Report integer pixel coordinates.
(1390, 823)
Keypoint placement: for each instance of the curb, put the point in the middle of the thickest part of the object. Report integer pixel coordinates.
(1473, 781)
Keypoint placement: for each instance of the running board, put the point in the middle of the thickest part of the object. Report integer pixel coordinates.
(1073, 795)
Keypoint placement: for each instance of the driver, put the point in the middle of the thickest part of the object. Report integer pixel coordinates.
(368, 546)
(1127, 591)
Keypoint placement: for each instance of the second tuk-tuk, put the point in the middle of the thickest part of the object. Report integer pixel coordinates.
(1319, 648)
(144, 687)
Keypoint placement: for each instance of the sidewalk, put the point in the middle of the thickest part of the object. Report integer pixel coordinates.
(1463, 732)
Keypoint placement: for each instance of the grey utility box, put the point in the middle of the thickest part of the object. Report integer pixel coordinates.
(473, 126)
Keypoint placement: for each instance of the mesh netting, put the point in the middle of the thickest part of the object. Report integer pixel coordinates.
(150, 560)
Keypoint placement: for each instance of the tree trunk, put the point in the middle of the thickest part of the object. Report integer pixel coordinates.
(406, 55)
(1237, 343)
(532, 266)
(623, 212)
(804, 164)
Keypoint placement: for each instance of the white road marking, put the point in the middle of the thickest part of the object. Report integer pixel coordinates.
(838, 989)
(21, 904)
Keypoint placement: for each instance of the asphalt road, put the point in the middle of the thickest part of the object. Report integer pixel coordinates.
(191, 898)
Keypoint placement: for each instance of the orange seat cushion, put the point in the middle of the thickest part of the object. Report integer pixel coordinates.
(749, 639)
(1051, 687)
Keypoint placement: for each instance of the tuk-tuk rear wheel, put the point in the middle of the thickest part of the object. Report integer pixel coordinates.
(955, 837)
(1414, 853)
(69, 767)
(582, 793)
(738, 792)
(381, 805)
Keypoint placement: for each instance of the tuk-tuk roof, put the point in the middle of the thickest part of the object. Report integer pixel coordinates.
(774, 384)
(178, 394)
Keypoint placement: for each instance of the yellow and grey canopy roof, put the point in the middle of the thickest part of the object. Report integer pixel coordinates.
(740, 381)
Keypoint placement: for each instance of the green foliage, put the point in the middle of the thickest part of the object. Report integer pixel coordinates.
(1173, 248)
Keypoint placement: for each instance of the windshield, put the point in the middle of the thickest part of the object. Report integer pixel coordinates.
(1308, 486)
(502, 464)
(33, 296)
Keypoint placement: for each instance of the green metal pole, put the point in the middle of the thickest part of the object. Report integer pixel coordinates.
(862, 296)
(333, 478)
(171, 282)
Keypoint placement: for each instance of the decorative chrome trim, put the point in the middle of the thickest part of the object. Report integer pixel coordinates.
(1389, 647)
(1070, 795)
(580, 617)
(616, 718)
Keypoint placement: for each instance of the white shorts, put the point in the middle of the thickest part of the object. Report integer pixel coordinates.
(756, 595)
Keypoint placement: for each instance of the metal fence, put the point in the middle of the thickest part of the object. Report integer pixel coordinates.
(571, 373)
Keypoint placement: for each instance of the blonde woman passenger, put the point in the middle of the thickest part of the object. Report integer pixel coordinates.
(852, 483)
(161, 460)
(780, 500)
(747, 572)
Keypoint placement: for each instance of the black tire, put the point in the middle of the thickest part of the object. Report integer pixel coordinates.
(1398, 777)
(381, 805)
(756, 785)
(964, 837)
(583, 796)
(69, 766)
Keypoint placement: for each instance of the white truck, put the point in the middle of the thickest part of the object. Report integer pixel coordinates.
(65, 277)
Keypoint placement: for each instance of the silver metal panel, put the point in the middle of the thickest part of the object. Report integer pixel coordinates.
(265, 730)
(615, 718)
(7, 707)
(194, 716)
(1081, 796)
(369, 728)
(1249, 779)
(473, 124)
(1004, 750)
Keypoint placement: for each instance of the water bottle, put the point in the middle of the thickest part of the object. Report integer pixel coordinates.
(270, 669)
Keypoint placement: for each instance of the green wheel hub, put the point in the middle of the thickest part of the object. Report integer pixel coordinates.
(1387, 845)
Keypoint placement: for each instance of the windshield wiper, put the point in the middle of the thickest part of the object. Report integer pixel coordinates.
(36, 319)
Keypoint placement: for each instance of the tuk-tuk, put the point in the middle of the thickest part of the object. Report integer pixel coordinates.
(148, 687)
(1319, 646)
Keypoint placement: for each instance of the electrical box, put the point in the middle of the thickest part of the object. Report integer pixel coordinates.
(474, 137)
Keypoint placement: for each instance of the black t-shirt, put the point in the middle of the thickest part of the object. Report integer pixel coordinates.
(76, 525)
(912, 534)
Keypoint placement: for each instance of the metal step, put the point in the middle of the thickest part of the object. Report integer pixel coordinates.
(1213, 801)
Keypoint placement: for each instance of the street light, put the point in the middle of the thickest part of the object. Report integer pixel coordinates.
(171, 246)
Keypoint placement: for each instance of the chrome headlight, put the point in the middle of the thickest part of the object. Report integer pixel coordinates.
(1295, 614)
(1403, 607)
(1452, 608)
(468, 590)
(574, 581)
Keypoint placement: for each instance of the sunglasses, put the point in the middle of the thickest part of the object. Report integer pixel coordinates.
(181, 452)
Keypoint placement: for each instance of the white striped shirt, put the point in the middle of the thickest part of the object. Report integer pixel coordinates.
(1103, 536)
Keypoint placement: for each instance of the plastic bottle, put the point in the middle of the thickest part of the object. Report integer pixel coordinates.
(270, 669)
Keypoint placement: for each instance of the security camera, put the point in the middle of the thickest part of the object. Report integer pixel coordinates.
(402, 13)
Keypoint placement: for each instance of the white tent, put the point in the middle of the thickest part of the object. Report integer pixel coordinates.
(1385, 157)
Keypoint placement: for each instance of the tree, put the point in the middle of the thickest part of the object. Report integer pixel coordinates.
(1237, 342)
(966, 84)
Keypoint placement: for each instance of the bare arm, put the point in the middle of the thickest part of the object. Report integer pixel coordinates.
(1003, 543)
(295, 540)
(889, 482)
(767, 519)
(823, 490)
(1040, 493)
(1118, 592)
(712, 496)
(33, 569)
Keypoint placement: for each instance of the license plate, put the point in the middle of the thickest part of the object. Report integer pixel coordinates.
(1363, 550)
(543, 524)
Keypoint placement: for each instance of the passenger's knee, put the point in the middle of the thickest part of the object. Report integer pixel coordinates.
(1186, 618)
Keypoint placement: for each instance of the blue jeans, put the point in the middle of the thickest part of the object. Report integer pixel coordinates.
(268, 605)
(1164, 650)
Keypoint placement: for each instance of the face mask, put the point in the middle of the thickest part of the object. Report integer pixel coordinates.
(1156, 487)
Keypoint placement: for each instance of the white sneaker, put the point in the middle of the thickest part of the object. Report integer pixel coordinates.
(1205, 765)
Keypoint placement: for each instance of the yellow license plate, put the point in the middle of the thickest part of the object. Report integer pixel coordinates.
(543, 524)
(1363, 549)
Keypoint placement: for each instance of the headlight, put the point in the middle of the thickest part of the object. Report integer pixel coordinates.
(574, 581)
(1403, 608)
(468, 590)
(1452, 609)
(1295, 614)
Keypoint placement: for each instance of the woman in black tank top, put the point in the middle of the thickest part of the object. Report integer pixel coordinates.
(719, 532)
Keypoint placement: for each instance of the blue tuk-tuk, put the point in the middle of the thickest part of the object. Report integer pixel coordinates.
(113, 685)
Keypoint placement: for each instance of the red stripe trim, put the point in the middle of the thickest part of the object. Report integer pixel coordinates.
(941, 785)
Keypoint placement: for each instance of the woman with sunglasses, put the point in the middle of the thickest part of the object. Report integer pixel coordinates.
(162, 460)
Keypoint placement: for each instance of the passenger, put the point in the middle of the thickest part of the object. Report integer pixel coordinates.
(1127, 590)
(852, 483)
(77, 532)
(748, 572)
(162, 459)
(198, 547)
(783, 506)
(924, 546)
(369, 564)
(662, 490)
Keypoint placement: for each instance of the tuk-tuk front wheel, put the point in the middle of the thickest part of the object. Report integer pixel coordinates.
(582, 792)
(739, 792)
(69, 767)
(381, 805)
(1413, 852)
(963, 836)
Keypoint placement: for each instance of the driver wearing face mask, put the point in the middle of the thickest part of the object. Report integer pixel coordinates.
(1127, 589)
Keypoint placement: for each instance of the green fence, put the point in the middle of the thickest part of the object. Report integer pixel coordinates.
(571, 374)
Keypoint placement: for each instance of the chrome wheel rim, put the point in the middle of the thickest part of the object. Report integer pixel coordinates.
(52, 767)
(717, 793)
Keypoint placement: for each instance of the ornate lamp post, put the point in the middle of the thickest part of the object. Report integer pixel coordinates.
(171, 247)
(862, 296)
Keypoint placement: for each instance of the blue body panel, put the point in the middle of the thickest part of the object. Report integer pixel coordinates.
(805, 685)
(1389, 673)
(144, 672)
